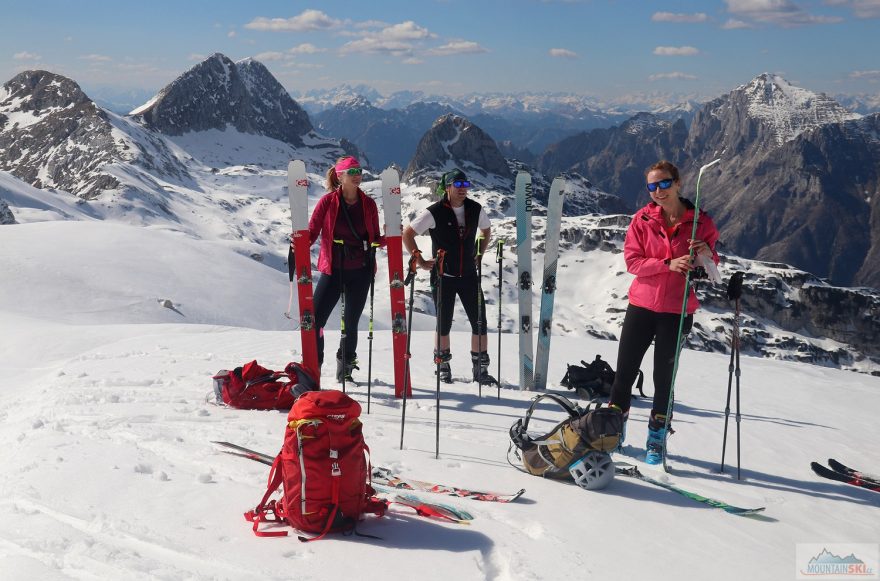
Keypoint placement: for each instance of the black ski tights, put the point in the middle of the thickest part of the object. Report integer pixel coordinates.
(640, 327)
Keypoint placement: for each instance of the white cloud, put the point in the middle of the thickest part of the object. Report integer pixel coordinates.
(306, 48)
(734, 24)
(377, 44)
(866, 75)
(194, 56)
(563, 53)
(413, 61)
(676, 51)
(679, 17)
(269, 56)
(26, 56)
(371, 24)
(677, 76)
(231, 34)
(408, 30)
(784, 13)
(861, 8)
(96, 58)
(309, 21)
(457, 47)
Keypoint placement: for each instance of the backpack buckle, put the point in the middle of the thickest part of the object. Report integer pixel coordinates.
(334, 469)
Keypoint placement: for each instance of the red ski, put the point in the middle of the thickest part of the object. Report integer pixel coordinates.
(301, 274)
(396, 274)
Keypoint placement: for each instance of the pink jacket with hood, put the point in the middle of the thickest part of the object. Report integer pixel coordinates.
(323, 221)
(646, 248)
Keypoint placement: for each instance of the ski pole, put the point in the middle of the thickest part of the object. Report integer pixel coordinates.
(342, 309)
(500, 258)
(480, 307)
(734, 291)
(684, 301)
(411, 281)
(441, 254)
(372, 262)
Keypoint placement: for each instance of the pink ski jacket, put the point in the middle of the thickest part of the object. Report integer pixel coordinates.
(646, 248)
(323, 221)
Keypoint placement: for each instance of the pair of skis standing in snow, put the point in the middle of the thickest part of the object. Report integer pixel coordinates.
(346, 222)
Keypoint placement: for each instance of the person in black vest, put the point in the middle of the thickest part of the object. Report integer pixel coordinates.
(453, 224)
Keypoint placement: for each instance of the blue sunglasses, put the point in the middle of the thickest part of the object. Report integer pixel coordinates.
(461, 184)
(662, 184)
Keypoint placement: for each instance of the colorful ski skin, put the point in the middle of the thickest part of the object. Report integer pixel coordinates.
(632, 471)
(386, 477)
(523, 193)
(850, 479)
(298, 192)
(394, 246)
(548, 286)
(429, 509)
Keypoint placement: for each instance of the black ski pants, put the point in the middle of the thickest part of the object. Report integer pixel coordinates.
(640, 327)
(465, 288)
(355, 283)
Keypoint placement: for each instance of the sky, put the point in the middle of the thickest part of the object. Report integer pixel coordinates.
(604, 48)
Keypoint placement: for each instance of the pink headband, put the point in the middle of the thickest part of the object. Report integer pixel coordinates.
(346, 163)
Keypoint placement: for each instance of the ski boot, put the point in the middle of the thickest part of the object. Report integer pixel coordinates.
(480, 362)
(658, 432)
(443, 368)
(345, 370)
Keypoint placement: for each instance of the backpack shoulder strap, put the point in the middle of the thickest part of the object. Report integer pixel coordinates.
(266, 510)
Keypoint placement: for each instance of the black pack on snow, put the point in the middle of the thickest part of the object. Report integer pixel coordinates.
(594, 380)
(551, 454)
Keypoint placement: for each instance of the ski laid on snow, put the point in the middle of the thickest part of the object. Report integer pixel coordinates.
(631, 471)
(389, 493)
(523, 192)
(301, 273)
(432, 509)
(843, 469)
(548, 286)
(396, 275)
(386, 477)
(850, 479)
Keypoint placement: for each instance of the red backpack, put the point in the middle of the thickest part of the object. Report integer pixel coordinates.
(253, 387)
(322, 468)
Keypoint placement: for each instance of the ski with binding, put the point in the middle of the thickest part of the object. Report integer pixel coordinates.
(523, 193)
(548, 286)
(386, 477)
(301, 270)
(632, 471)
(850, 479)
(396, 275)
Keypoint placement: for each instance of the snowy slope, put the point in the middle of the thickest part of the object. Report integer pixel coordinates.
(108, 472)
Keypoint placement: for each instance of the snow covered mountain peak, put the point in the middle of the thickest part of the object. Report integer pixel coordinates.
(218, 93)
(788, 109)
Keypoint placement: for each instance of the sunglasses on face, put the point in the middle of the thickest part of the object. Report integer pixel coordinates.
(461, 184)
(662, 184)
(354, 171)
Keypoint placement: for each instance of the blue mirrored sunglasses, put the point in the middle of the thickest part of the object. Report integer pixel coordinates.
(662, 184)
(354, 171)
(461, 184)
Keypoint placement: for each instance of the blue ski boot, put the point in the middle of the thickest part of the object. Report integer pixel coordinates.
(657, 434)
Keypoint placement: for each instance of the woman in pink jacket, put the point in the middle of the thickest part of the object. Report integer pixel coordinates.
(347, 222)
(657, 252)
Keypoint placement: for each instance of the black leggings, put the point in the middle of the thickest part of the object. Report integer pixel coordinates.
(327, 293)
(640, 327)
(466, 289)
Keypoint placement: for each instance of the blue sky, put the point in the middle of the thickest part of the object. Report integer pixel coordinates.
(605, 48)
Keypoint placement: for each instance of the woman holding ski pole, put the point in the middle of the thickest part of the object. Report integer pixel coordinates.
(347, 222)
(657, 251)
(454, 224)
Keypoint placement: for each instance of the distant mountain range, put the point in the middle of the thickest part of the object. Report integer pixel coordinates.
(208, 153)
